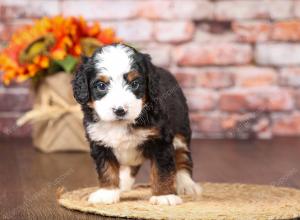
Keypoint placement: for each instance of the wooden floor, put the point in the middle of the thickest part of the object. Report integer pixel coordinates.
(29, 179)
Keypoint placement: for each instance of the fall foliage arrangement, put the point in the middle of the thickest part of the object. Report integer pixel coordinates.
(49, 46)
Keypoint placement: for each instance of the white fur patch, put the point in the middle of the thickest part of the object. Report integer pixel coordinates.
(178, 143)
(126, 180)
(185, 184)
(129, 156)
(113, 62)
(118, 96)
(106, 196)
(165, 200)
(122, 139)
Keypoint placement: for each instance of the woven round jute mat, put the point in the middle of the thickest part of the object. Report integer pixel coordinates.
(218, 201)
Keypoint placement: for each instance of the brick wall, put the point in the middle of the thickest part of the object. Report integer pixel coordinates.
(237, 60)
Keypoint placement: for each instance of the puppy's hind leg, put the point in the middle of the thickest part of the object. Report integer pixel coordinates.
(185, 185)
(163, 175)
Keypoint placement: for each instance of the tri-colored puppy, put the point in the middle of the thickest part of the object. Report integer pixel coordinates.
(134, 111)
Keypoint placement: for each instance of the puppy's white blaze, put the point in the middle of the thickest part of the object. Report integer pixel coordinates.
(128, 156)
(117, 134)
(115, 98)
(166, 200)
(178, 143)
(114, 60)
(106, 196)
(123, 140)
(126, 180)
(185, 184)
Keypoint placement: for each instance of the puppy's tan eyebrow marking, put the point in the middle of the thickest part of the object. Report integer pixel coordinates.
(132, 75)
(103, 78)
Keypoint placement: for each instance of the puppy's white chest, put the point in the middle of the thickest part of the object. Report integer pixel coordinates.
(123, 140)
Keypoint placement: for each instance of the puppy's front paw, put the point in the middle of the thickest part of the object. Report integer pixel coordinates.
(166, 200)
(185, 184)
(106, 196)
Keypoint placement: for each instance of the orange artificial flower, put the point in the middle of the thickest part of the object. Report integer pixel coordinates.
(33, 47)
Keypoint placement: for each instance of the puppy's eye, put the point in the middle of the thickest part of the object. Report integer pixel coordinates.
(101, 86)
(134, 85)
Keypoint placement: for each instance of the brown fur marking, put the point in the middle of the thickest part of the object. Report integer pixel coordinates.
(104, 78)
(109, 175)
(183, 161)
(134, 170)
(161, 185)
(91, 104)
(152, 132)
(144, 100)
(132, 76)
(182, 155)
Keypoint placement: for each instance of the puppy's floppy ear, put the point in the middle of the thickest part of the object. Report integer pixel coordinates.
(152, 79)
(80, 82)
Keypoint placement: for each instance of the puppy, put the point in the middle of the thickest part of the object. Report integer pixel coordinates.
(134, 111)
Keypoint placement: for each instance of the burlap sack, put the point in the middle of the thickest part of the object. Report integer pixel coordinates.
(56, 117)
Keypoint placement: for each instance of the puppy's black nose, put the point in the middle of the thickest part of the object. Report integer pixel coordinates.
(119, 111)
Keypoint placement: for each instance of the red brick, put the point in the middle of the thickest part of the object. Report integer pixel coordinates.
(204, 36)
(2, 32)
(279, 9)
(186, 79)
(214, 32)
(277, 54)
(247, 125)
(199, 99)
(251, 31)
(154, 9)
(174, 32)
(286, 124)
(8, 126)
(297, 8)
(230, 10)
(233, 101)
(297, 98)
(192, 9)
(253, 76)
(290, 76)
(214, 78)
(102, 9)
(206, 125)
(176, 9)
(30, 9)
(212, 54)
(160, 54)
(262, 128)
(264, 98)
(130, 31)
(230, 121)
(249, 9)
(286, 30)
(17, 100)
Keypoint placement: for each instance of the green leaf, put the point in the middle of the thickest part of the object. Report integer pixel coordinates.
(54, 67)
(68, 64)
